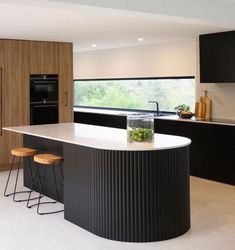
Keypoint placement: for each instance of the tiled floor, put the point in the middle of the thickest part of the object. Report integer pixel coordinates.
(213, 225)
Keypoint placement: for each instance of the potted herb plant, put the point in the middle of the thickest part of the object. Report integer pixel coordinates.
(183, 111)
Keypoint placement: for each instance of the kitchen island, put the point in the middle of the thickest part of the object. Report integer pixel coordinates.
(115, 189)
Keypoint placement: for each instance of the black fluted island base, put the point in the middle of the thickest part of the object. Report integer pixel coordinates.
(133, 196)
(114, 189)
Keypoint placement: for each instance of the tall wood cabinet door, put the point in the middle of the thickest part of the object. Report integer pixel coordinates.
(15, 93)
(65, 82)
(44, 57)
(16, 83)
(0, 102)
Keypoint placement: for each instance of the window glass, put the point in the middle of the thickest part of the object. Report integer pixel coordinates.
(135, 93)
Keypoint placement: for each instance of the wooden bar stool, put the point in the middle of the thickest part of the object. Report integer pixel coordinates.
(46, 160)
(21, 153)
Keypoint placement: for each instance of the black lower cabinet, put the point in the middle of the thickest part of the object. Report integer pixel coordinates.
(114, 121)
(212, 152)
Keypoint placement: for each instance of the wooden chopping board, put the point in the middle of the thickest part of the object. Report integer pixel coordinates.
(205, 99)
(203, 108)
(200, 110)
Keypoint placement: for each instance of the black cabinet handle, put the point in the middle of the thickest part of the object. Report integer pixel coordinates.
(66, 99)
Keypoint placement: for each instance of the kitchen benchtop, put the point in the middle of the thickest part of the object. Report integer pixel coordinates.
(98, 137)
(230, 122)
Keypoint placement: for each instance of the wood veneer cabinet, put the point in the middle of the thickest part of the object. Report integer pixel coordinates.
(19, 59)
(56, 58)
(65, 82)
(14, 64)
(44, 57)
(0, 101)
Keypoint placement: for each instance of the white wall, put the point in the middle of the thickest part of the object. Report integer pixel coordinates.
(168, 59)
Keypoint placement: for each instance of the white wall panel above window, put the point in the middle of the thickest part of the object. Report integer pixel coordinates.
(156, 60)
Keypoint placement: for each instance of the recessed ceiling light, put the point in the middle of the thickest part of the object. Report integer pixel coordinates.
(140, 39)
(93, 45)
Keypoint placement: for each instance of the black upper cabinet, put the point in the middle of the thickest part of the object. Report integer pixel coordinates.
(217, 57)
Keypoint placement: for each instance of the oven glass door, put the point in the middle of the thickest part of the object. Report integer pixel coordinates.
(43, 91)
(43, 114)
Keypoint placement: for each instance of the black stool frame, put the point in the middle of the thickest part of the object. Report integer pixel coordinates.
(16, 180)
(37, 175)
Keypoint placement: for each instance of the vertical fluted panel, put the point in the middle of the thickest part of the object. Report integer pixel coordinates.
(135, 196)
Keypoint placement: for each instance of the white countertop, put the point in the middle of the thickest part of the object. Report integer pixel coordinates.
(98, 137)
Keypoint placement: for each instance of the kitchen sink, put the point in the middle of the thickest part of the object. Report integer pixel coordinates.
(163, 114)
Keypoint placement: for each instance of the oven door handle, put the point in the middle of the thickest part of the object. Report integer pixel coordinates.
(45, 106)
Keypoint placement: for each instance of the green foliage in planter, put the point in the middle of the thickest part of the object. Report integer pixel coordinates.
(182, 107)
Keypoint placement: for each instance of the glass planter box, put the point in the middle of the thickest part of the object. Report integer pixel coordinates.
(140, 127)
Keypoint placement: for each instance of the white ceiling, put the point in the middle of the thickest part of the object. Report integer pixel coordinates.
(86, 25)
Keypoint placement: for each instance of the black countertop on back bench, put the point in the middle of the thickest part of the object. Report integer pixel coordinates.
(230, 122)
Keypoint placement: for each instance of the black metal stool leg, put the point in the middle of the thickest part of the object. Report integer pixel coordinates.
(61, 171)
(16, 181)
(17, 175)
(56, 190)
(30, 169)
(37, 174)
(41, 188)
(8, 178)
(39, 197)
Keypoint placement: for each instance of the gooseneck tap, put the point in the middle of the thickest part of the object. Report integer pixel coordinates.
(157, 106)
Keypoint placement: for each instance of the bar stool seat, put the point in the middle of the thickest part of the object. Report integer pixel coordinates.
(46, 160)
(21, 153)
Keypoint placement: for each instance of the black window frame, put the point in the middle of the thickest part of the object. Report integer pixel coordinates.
(129, 78)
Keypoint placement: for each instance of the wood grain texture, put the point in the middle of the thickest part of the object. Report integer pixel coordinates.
(0, 102)
(14, 61)
(65, 82)
(19, 59)
(200, 110)
(44, 57)
(208, 103)
(22, 152)
(48, 159)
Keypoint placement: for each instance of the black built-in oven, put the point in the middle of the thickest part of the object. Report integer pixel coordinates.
(43, 99)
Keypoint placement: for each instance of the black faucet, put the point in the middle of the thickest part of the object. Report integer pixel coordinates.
(157, 105)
